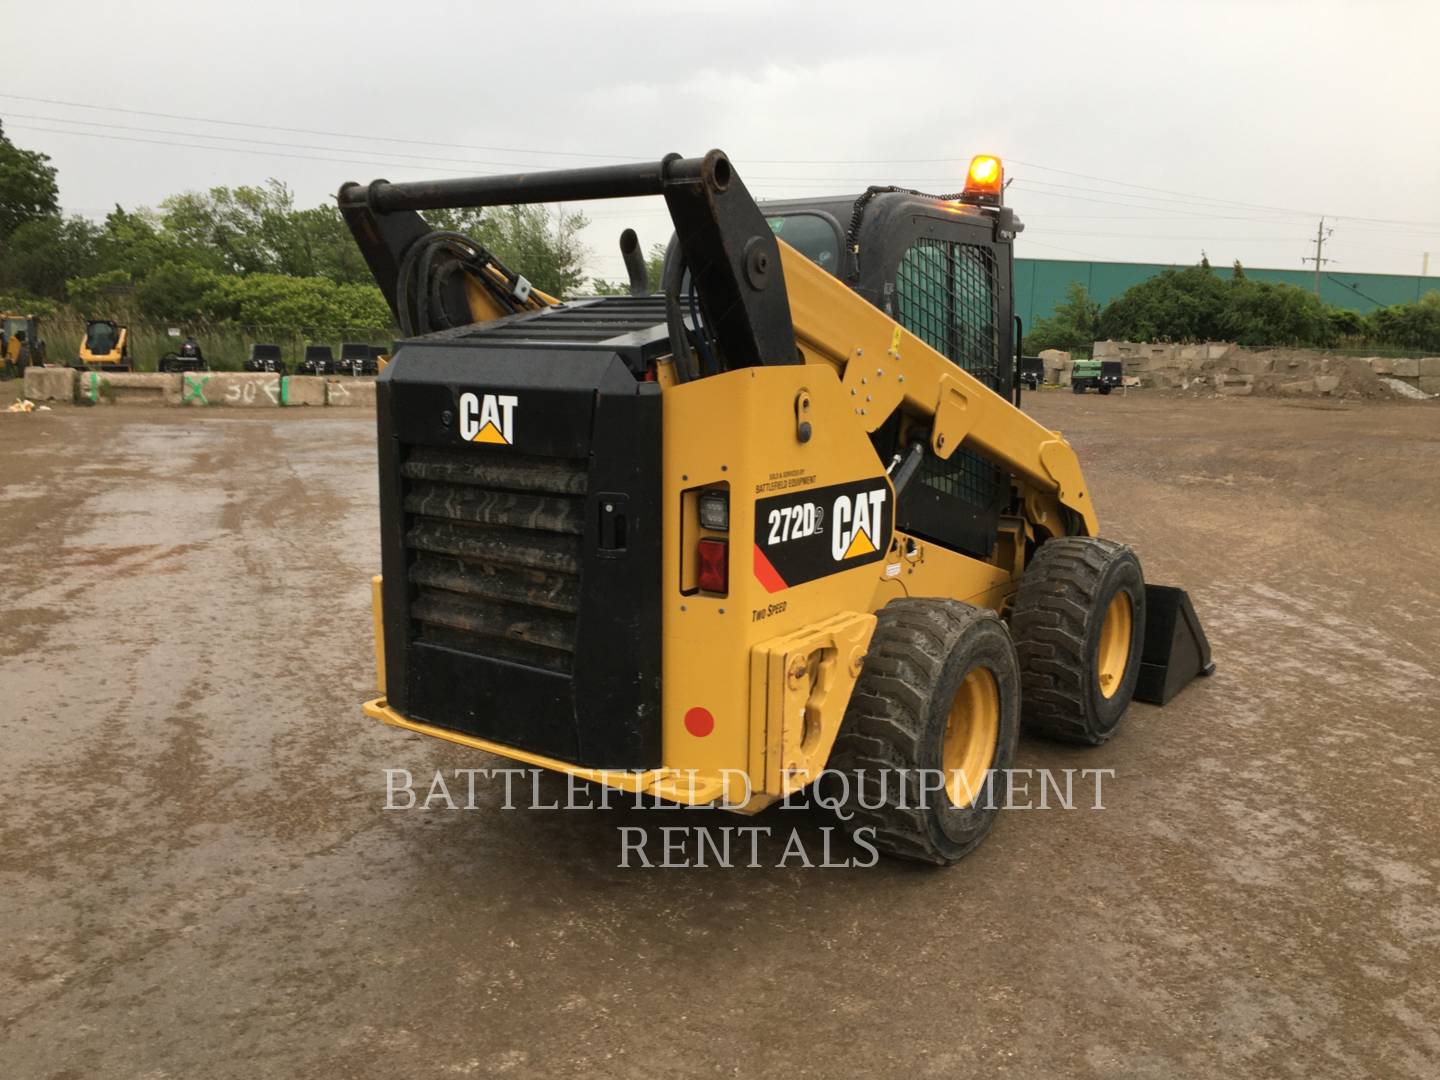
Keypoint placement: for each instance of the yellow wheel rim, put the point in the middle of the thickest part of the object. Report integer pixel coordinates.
(971, 732)
(1114, 652)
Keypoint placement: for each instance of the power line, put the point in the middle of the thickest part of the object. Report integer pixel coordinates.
(261, 142)
(1190, 196)
(310, 131)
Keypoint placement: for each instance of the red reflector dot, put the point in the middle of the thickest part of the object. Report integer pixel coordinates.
(699, 722)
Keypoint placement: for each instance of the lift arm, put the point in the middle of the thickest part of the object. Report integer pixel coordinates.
(884, 366)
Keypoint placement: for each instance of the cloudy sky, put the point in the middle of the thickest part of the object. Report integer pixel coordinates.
(1146, 132)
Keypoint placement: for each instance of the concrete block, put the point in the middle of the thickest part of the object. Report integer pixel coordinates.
(1430, 367)
(1054, 357)
(1191, 354)
(1218, 350)
(1300, 386)
(1430, 383)
(1151, 363)
(302, 390)
(1237, 389)
(129, 387)
(1407, 369)
(1326, 384)
(1104, 350)
(1252, 365)
(1235, 384)
(237, 389)
(1381, 365)
(1403, 388)
(50, 384)
(353, 392)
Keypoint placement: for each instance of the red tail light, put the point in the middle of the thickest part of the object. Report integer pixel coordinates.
(712, 558)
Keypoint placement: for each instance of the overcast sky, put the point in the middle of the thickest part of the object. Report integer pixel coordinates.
(1142, 132)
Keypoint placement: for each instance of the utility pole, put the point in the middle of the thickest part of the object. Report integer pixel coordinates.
(1321, 235)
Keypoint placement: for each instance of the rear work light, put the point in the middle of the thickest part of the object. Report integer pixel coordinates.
(712, 559)
(985, 181)
(715, 510)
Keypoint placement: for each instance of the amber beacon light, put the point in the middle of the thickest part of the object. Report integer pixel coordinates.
(984, 181)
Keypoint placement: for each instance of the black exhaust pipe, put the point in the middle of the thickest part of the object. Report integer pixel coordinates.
(634, 263)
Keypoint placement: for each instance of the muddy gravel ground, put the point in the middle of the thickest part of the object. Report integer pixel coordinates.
(200, 878)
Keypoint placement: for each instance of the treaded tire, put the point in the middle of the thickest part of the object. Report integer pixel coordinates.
(1056, 621)
(921, 652)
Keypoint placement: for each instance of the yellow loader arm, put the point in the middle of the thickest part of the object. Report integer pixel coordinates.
(882, 366)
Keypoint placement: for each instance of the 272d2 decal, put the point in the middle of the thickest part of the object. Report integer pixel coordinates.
(804, 536)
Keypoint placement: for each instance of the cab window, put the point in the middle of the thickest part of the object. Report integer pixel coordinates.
(811, 235)
(945, 295)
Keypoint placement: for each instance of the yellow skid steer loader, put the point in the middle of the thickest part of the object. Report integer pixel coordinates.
(782, 518)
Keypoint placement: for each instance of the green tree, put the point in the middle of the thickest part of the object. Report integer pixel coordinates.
(176, 292)
(1265, 313)
(45, 252)
(135, 241)
(1413, 326)
(1174, 305)
(96, 295)
(309, 302)
(319, 244)
(27, 187)
(246, 230)
(1074, 325)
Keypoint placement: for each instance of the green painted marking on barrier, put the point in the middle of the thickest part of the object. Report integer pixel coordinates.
(284, 389)
(195, 390)
(94, 384)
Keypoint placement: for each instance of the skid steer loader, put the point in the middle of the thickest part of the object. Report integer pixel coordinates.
(780, 522)
(105, 347)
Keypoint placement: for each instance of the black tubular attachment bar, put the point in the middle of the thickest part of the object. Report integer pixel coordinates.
(732, 255)
(560, 185)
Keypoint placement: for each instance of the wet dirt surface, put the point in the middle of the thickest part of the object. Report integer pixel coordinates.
(199, 878)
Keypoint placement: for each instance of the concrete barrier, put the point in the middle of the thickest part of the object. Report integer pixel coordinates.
(1235, 385)
(350, 392)
(232, 389)
(129, 388)
(1430, 367)
(1429, 383)
(1407, 369)
(50, 384)
(302, 390)
(235, 389)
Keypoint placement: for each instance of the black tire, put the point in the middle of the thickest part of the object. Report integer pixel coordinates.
(1077, 387)
(1103, 389)
(894, 730)
(1059, 615)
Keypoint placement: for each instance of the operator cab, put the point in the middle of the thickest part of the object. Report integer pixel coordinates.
(940, 266)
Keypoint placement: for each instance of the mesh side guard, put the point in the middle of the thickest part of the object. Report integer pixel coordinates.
(1176, 649)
